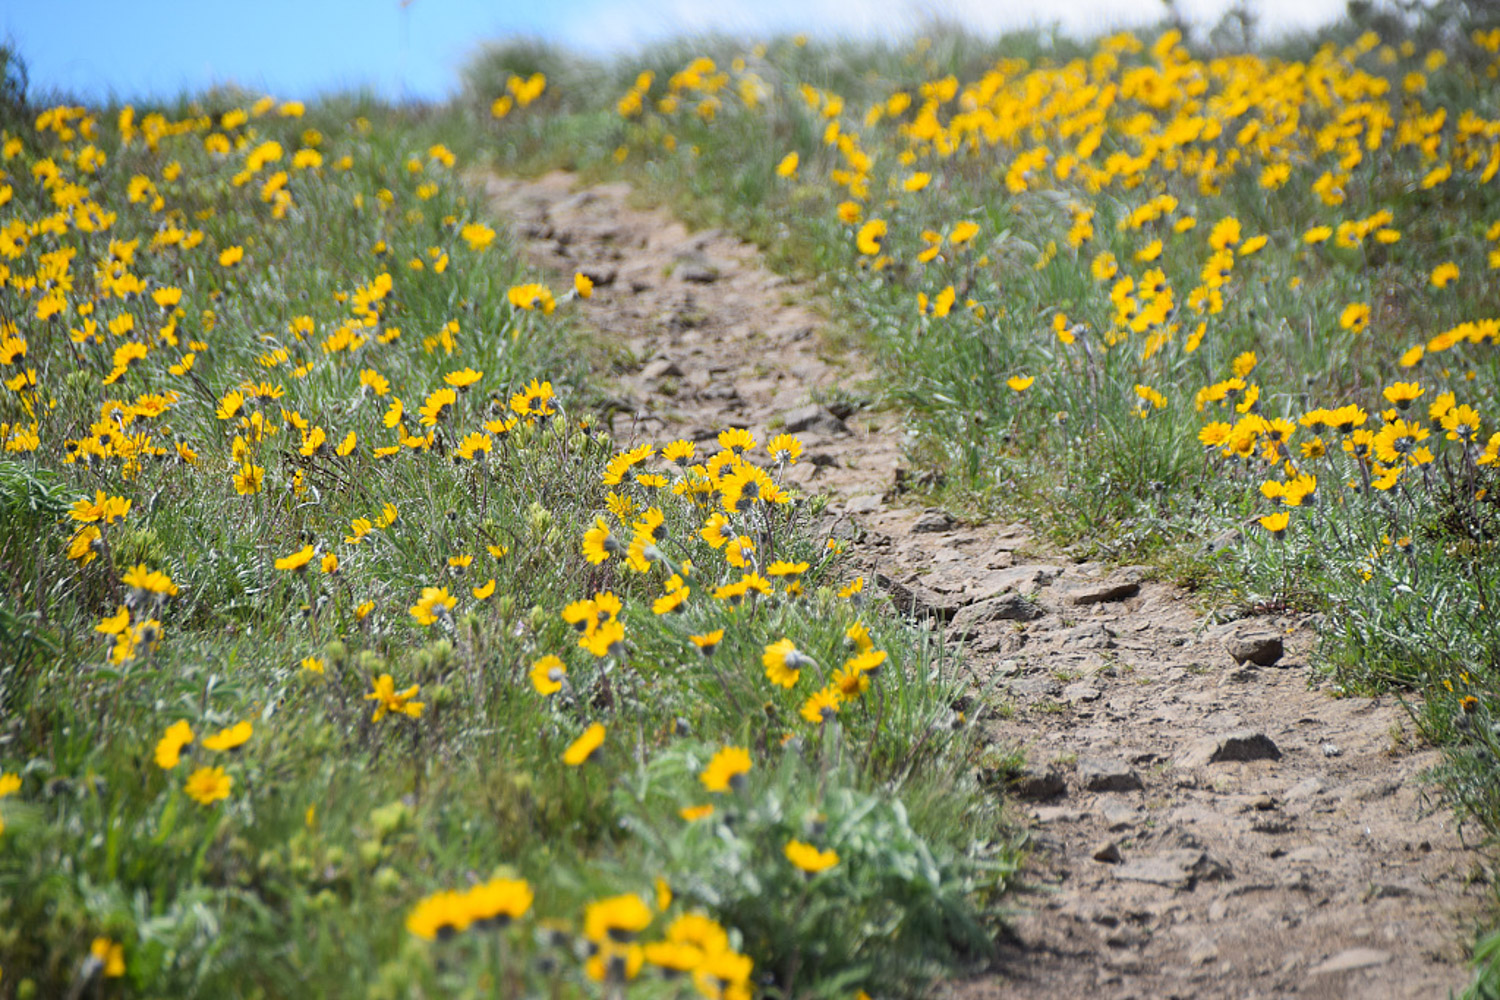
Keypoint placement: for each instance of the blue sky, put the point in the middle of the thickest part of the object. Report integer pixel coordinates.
(153, 48)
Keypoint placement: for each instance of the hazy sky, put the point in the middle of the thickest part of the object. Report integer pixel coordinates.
(156, 48)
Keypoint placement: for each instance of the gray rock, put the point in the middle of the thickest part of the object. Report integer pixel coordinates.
(1241, 746)
(1092, 636)
(1261, 648)
(1079, 692)
(866, 503)
(694, 266)
(933, 521)
(813, 417)
(1309, 855)
(1025, 579)
(1058, 814)
(1033, 688)
(602, 277)
(1180, 869)
(1038, 784)
(661, 368)
(1007, 608)
(1307, 788)
(916, 600)
(1118, 816)
(1203, 953)
(1108, 852)
(1351, 960)
(1115, 588)
(1104, 774)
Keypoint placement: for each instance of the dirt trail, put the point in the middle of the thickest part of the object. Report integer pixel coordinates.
(1201, 828)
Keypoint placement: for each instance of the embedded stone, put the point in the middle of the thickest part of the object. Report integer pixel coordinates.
(1351, 960)
(1103, 774)
(1241, 746)
(813, 417)
(1180, 869)
(1260, 648)
(933, 521)
(1038, 784)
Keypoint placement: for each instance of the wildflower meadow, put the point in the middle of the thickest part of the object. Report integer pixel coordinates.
(345, 650)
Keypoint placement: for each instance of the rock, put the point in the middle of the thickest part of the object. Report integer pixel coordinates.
(659, 369)
(1307, 788)
(1391, 890)
(1116, 588)
(1058, 814)
(1079, 692)
(1118, 816)
(1310, 855)
(1008, 608)
(1103, 774)
(1092, 636)
(694, 266)
(933, 521)
(1023, 579)
(1332, 750)
(1037, 784)
(1102, 593)
(1108, 852)
(917, 601)
(1259, 647)
(944, 581)
(1351, 960)
(813, 417)
(1203, 953)
(867, 503)
(1033, 688)
(1180, 869)
(602, 277)
(1240, 746)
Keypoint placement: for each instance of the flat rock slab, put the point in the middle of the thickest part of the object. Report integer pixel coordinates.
(813, 417)
(932, 521)
(1351, 960)
(1007, 608)
(1180, 869)
(1102, 774)
(659, 369)
(1092, 636)
(1033, 688)
(1116, 588)
(1080, 692)
(1038, 784)
(917, 601)
(1240, 746)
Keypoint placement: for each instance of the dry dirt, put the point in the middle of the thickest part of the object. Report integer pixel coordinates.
(1199, 828)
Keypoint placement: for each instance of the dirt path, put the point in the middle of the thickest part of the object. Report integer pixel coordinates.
(1200, 828)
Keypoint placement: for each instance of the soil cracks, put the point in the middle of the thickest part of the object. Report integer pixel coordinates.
(1200, 825)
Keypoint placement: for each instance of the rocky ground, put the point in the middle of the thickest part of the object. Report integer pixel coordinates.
(1206, 819)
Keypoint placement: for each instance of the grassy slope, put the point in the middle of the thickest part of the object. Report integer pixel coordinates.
(302, 878)
(1292, 210)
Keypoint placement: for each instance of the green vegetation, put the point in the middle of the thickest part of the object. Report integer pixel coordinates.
(1222, 308)
(276, 651)
(345, 654)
